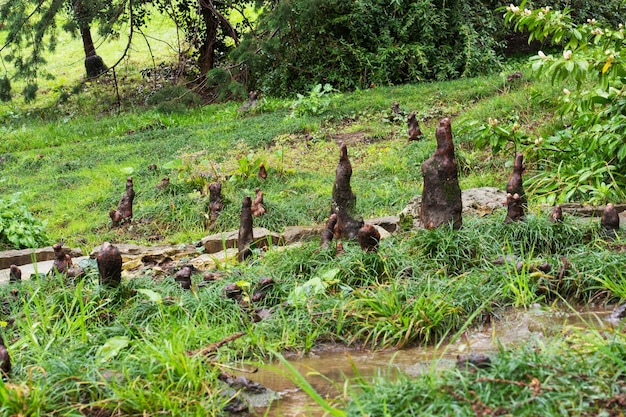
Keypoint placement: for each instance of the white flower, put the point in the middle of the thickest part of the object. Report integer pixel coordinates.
(492, 122)
(596, 31)
(591, 21)
(527, 12)
(567, 54)
(566, 92)
(546, 9)
(540, 15)
(620, 26)
(513, 8)
(542, 55)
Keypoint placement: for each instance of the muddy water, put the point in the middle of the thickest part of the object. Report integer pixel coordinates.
(327, 368)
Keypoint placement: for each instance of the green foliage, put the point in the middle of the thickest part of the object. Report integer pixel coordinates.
(496, 135)
(18, 227)
(5, 89)
(352, 45)
(587, 159)
(573, 374)
(314, 104)
(173, 99)
(224, 85)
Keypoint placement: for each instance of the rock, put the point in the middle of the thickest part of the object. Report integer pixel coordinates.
(26, 256)
(220, 241)
(389, 223)
(137, 256)
(473, 360)
(293, 234)
(441, 198)
(482, 201)
(209, 261)
(617, 315)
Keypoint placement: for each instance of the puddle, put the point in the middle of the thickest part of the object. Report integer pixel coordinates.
(328, 367)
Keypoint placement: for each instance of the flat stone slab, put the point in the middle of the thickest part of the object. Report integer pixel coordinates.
(227, 240)
(136, 256)
(27, 256)
(37, 268)
(293, 234)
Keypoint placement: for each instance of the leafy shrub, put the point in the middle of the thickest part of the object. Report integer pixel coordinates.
(18, 228)
(587, 159)
(173, 99)
(315, 103)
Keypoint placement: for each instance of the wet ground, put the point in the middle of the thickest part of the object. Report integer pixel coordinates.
(327, 368)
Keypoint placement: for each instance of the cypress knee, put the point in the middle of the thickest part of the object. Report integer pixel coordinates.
(109, 265)
(245, 237)
(441, 198)
(516, 205)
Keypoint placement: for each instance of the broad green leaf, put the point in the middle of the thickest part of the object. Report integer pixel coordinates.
(153, 296)
(111, 348)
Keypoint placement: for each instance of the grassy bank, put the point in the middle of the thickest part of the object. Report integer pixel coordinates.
(81, 349)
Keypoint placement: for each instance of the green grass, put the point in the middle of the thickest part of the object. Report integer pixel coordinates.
(80, 348)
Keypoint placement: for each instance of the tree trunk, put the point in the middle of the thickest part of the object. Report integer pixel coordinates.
(206, 61)
(94, 65)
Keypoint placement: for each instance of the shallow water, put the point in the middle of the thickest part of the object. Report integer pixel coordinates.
(327, 368)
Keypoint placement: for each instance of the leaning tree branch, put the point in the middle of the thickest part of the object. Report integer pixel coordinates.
(13, 34)
(208, 4)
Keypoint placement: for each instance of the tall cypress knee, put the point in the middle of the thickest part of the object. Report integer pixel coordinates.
(441, 198)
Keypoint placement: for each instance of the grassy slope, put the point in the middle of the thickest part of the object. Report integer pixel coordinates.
(80, 348)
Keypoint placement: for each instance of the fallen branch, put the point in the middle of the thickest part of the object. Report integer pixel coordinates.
(214, 346)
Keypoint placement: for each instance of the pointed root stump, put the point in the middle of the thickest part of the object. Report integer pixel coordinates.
(556, 215)
(329, 232)
(415, 133)
(343, 197)
(109, 265)
(441, 198)
(62, 261)
(183, 277)
(5, 359)
(15, 274)
(262, 171)
(344, 200)
(215, 202)
(257, 205)
(610, 221)
(124, 212)
(245, 237)
(515, 208)
(347, 227)
(164, 183)
(515, 186)
(395, 108)
(368, 237)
